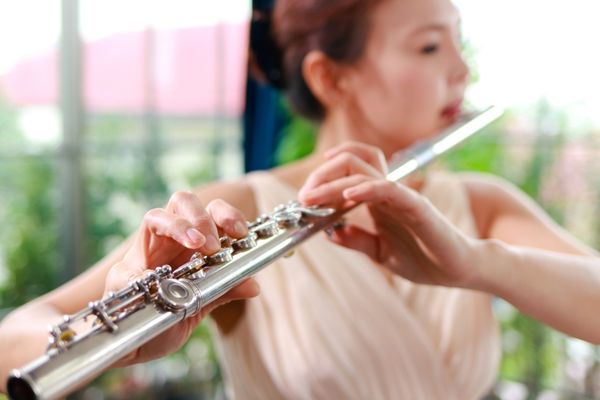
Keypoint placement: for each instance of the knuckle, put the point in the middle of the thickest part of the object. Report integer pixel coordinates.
(347, 157)
(373, 150)
(199, 220)
(180, 196)
(359, 178)
(180, 224)
(224, 211)
(217, 203)
(385, 190)
(419, 211)
(153, 214)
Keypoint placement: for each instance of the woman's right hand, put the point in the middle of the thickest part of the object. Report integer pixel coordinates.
(170, 236)
(411, 238)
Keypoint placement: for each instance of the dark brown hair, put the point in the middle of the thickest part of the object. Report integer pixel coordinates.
(338, 28)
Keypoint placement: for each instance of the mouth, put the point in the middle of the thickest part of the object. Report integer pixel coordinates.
(453, 110)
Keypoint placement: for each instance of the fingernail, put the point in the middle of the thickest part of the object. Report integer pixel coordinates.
(240, 228)
(212, 244)
(195, 236)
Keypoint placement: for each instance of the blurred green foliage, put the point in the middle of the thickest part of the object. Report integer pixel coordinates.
(28, 212)
(298, 138)
(30, 245)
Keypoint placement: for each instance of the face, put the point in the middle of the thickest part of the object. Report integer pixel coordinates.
(410, 81)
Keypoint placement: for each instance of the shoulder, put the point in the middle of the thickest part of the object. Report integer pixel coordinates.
(492, 197)
(482, 185)
(478, 187)
(504, 212)
(496, 192)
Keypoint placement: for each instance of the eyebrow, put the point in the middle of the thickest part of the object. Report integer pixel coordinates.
(431, 27)
(436, 26)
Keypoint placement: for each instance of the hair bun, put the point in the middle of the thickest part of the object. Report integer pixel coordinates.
(266, 52)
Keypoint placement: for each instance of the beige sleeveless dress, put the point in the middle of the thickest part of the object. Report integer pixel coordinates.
(329, 325)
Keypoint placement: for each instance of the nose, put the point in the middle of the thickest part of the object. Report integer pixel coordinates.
(459, 72)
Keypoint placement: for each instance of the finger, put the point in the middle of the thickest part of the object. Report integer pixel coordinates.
(122, 274)
(393, 199)
(189, 206)
(400, 205)
(355, 238)
(342, 165)
(228, 218)
(396, 197)
(332, 193)
(163, 223)
(370, 154)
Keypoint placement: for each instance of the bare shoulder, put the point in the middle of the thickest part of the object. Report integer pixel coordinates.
(503, 211)
(237, 192)
(497, 193)
(492, 197)
(492, 188)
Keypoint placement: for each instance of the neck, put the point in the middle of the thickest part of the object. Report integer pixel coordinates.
(335, 129)
(332, 132)
(338, 128)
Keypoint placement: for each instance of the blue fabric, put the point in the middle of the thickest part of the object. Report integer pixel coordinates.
(263, 124)
(263, 116)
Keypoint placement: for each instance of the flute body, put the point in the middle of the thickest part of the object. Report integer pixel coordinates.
(127, 319)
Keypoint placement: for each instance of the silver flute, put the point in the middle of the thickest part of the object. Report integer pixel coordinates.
(125, 320)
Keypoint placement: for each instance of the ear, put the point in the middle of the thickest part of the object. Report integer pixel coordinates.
(324, 78)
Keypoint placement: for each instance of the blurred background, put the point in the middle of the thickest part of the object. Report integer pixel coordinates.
(106, 107)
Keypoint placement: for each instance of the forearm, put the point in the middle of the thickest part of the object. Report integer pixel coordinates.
(560, 290)
(24, 337)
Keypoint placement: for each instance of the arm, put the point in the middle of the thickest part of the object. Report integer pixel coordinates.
(413, 239)
(560, 286)
(558, 289)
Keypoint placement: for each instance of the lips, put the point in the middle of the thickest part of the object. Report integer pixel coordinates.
(453, 110)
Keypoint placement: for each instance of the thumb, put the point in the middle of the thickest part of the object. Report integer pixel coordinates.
(121, 274)
(355, 238)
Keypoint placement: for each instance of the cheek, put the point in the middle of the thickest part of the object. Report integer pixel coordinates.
(400, 101)
(421, 95)
(408, 98)
(421, 90)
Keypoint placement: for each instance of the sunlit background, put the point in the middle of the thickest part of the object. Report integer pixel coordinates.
(151, 100)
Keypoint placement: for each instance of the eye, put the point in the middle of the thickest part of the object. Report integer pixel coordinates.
(430, 48)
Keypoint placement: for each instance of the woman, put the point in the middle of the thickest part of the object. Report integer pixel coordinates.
(330, 322)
